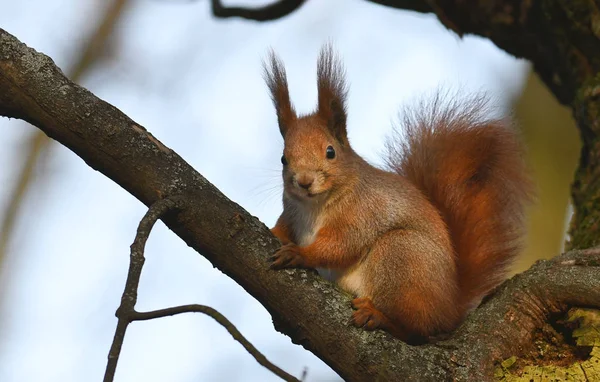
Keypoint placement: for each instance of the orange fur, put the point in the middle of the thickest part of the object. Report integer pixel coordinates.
(419, 245)
(282, 232)
(473, 172)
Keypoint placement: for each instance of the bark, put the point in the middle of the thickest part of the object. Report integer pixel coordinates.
(310, 311)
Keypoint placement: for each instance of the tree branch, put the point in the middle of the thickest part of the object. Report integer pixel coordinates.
(235, 333)
(126, 312)
(269, 12)
(311, 311)
(129, 299)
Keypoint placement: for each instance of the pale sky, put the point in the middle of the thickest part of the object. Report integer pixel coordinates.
(195, 83)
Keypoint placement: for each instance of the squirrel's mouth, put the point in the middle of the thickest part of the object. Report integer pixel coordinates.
(306, 194)
(315, 195)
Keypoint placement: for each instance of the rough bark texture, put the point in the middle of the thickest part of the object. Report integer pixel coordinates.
(309, 310)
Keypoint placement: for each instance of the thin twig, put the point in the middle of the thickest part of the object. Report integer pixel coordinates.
(126, 312)
(269, 12)
(418, 6)
(127, 307)
(235, 333)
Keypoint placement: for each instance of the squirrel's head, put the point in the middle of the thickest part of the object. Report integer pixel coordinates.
(317, 153)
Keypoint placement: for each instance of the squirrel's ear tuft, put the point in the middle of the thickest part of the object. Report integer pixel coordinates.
(275, 77)
(332, 93)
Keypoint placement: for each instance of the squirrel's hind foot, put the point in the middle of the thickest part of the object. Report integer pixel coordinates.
(367, 316)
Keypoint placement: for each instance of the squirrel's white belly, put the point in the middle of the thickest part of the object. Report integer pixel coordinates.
(307, 227)
(307, 237)
(351, 279)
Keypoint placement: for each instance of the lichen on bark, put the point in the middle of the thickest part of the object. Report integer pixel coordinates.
(570, 353)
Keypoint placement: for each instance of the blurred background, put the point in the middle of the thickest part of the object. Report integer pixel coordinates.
(195, 82)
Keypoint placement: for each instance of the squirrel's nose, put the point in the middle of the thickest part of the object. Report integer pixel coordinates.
(305, 181)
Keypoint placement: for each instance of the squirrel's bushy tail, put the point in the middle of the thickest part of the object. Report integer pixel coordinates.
(472, 169)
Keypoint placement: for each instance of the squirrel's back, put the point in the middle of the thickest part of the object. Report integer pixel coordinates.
(472, 170)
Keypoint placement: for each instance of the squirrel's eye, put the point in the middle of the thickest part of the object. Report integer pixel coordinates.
(283, 160)
(330, 152)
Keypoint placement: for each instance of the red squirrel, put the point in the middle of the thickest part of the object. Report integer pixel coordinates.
(420, 244)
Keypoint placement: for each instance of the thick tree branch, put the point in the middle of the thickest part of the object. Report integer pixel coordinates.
(308, 309)
(559, 37)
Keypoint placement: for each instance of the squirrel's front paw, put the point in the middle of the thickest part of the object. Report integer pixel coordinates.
(288, 256)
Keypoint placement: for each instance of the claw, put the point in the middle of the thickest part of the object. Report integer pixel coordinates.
(366, 315)
(287, 256)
